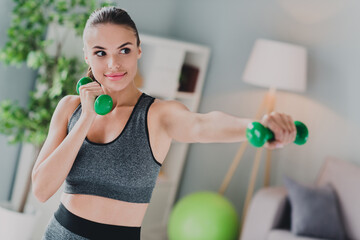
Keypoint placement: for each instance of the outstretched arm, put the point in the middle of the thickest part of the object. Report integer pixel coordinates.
(185, 126)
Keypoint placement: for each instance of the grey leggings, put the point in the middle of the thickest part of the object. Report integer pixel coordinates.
(65, 225)
(55, 231)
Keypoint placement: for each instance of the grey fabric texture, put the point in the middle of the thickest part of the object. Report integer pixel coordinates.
(123, 169)
(315, 211)
(278, 234)
(55, 231)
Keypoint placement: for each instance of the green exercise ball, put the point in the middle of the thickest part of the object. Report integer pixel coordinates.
(203, 216)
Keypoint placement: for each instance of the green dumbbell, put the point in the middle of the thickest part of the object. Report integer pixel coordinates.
(258, 135)
(103, 103)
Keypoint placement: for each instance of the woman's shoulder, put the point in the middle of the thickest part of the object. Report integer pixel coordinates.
(68, 104)
(161, 107)
(165, 105)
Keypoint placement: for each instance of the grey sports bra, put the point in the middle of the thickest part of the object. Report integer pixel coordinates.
(123, 169)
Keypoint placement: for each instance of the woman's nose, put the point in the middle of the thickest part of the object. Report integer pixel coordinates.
(114, 62)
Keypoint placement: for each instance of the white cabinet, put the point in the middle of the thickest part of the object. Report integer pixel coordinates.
(160, 66)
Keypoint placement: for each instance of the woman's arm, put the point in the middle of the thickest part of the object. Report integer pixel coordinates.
(219, 127)
(59, 150)
(185, 126)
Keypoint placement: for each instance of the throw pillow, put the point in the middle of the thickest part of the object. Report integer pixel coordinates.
(315, 211)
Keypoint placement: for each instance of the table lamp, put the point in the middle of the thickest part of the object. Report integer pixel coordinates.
(279, 65)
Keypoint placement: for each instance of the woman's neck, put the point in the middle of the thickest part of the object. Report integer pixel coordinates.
(126, 97)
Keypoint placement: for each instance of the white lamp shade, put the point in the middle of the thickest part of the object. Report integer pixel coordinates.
(278, 65)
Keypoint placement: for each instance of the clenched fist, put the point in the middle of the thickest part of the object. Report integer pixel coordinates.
(283, 127)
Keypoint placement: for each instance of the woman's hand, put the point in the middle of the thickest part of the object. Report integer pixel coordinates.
(88, 94)
(282, 126)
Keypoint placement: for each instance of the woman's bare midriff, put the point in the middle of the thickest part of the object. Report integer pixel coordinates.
(105, 210)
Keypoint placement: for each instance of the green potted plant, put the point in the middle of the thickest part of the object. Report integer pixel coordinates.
(57, 74)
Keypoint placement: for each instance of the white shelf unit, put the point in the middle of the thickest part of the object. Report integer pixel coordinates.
(160, 67)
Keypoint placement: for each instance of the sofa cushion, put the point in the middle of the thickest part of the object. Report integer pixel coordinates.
(263, 213)
(315, 211)
(286, 235)
(345, 179)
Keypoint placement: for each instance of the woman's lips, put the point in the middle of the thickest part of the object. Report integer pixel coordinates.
(115, 76)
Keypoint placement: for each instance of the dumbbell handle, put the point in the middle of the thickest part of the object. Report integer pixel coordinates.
(103, 103)
(258, 135)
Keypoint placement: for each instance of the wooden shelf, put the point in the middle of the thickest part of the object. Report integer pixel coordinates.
(160, 67)
(164, 180)
(156, 232)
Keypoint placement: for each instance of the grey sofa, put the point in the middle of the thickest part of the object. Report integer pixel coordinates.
(269, 212)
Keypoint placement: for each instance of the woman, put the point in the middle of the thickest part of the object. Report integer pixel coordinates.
(111, 162)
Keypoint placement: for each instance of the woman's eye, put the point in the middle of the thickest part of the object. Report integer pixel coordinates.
(125, 50)
(100, 53)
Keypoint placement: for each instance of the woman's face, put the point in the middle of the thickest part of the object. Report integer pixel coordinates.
(111, 52)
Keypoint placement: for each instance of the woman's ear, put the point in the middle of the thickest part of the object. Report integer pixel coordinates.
(85, 57)
(140, 52)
